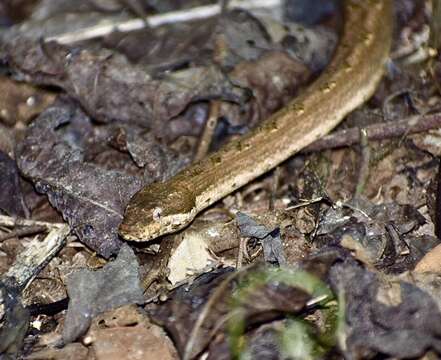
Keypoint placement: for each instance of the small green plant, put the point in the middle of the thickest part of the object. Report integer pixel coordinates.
(299, 338)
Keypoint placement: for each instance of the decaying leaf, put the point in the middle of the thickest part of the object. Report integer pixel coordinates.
(384, 232)
(11, 197)
(404, 328)
(270, 238)
(91, 198)
(93, 292)
(111, 89)
(130, 114)
(126, 332)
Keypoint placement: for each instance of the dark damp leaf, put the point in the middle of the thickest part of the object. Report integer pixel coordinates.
(93, 292)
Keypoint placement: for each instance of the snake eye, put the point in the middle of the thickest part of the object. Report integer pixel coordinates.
(157, 211)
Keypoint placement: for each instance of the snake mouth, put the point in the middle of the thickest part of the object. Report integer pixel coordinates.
(137, 233)
(139, 226)
(142, 228)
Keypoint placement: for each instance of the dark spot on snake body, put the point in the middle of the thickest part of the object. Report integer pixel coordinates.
(368, 38)
(298, 109)
(328, 87)
(216, 159)
(271, 126)
(197, 170)
(344, 46)
(208, 200)
(347, 66)
(234, 185)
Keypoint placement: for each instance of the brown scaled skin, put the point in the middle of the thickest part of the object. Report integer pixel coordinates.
(348, 81)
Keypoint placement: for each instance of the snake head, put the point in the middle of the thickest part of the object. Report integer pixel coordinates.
(157, 209)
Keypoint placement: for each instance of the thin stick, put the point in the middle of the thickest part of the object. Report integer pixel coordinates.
(438, 203)
(207, 134)
(305, 203)
(9, 221)
(31, 230)
(363, 172)
(217, 294)
(241, 252)
(196, 13)
(380, 131)
(36, 255)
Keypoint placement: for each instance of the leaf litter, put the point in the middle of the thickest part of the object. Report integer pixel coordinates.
(127, 115)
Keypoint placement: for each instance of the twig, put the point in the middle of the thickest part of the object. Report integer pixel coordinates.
(9, 221)
(305, 203)
(196, 13)
(435, 25)
(317, 300)
(207, 307)
(438, 204)
(363, 172)
(36, 255)
(50, 309)
(23, 232)
(274, 188)
(380, 131)
(15, 317)
(241, 252)
(207, 134)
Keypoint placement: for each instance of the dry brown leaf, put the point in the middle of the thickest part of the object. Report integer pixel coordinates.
(126, 333)
(431, 262)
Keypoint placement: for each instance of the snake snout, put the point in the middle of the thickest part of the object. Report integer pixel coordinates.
(156, 210)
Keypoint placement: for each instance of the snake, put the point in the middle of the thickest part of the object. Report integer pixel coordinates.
(350, 79)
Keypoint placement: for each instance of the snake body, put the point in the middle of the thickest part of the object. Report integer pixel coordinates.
(347, 82)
